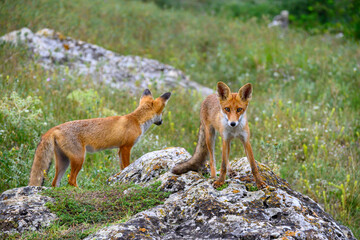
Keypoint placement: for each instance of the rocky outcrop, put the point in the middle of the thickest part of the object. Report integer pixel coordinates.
(124, 72)
(23, 209)
(194, 210)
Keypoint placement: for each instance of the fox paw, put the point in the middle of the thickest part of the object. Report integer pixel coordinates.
(261, 184)
(232, 174)
(217, 184)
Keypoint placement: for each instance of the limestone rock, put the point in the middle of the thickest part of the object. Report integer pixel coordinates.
(24, 209)
(124, 72)
(195, 210)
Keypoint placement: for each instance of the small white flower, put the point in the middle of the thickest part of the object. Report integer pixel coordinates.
(256, 119)
(45, 123)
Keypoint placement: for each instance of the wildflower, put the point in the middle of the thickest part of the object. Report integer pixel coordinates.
(48, 79)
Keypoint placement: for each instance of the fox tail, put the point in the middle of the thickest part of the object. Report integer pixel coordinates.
(42, 159)
(199, 157)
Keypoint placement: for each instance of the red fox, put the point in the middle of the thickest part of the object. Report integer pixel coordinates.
(225, 113)
(70, 141)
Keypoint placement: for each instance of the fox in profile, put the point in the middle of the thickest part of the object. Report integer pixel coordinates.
(70, 141)
(225, 113)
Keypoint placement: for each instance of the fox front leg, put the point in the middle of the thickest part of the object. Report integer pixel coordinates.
(259, 183)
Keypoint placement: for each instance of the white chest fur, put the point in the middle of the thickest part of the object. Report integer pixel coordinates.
(145, 126)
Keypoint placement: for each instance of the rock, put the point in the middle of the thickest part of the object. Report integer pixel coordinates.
(124, 72)
(195, 210)
(23, 209)
(281, 20)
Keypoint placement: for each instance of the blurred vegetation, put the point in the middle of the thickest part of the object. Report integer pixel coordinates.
(332, 16)
(304, 114)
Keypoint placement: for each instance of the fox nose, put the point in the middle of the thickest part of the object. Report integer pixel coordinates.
(233, 124)
(159, 122)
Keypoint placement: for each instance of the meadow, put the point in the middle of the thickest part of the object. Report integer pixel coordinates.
(304, 114)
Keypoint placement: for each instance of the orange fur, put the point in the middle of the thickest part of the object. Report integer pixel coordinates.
(70, 141)
(225, 113)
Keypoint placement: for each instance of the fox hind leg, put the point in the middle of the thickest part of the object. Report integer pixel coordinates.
(61, 165)
(76, 165)
(210, 144)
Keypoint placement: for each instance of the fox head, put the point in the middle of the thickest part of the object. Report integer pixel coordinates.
(151, 109)
(233, 105)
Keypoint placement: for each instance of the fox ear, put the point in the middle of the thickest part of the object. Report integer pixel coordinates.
(146, 93)
(166, 96)
(245, 92)
(223, 91)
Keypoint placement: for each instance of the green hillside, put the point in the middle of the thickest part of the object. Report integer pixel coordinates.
(304, 115)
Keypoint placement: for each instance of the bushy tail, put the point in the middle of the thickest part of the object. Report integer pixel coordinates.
(199, 157)
(42, 159)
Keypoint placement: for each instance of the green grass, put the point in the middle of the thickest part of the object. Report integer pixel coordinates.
(75, 206)
(222, 187)
(304, 115)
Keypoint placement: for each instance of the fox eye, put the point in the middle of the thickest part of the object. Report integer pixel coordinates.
(239, 109)
(227, 109)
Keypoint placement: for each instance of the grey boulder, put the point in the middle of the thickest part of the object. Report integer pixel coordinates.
(132, 73)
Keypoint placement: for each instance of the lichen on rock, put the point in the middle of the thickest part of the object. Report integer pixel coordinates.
(23, 209)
